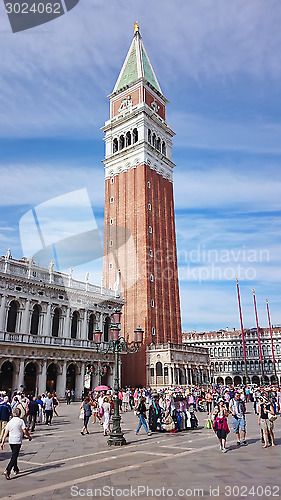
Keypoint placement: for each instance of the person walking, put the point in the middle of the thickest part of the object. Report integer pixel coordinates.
(106, 406)
(266, 409)
(68, 396)
(126, 400)
(5, 413)
(55, 403)
(220, 425)
(238, 410)
(49, 409)
(33, 412)
(141, 412)
(40, 407)
(95, 410)
(15, 428)
(209, 401)
(86, 406)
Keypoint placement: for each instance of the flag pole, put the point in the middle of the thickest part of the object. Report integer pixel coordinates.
(271, 338)
(242, 330)
(259, 339)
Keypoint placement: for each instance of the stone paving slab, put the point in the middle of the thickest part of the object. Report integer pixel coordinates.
(59, 458)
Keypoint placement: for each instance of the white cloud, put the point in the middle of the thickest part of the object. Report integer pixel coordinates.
(226, 188)
(216, 133)
(23, 184)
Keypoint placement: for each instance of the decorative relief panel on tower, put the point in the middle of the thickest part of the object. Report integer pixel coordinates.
(155, 106)
(125, 103)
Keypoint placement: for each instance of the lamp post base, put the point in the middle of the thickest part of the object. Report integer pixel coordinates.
(116, 437)
(116, 440)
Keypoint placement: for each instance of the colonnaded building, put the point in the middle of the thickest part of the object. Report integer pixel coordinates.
(227, 365)
(47, 320)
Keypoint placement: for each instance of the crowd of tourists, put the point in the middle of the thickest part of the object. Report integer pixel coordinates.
(20, 416)
(177, 410)
(166, 410)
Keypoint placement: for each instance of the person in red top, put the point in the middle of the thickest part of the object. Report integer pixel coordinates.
(220, 424)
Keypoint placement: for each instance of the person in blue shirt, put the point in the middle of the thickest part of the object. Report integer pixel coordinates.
(5, 413)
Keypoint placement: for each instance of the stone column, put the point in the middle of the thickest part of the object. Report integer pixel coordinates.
(47, 323)
(42, 380)
(61, 381)
(19, 378)
(66, 332)
(3, 314)
(169, 376)
(26, 318)
(84, 335)
(79, 382)
(172, 375)
(100, 325)
(185, 375)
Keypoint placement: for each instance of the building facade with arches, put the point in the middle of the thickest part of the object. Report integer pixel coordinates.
(227, 363)
(175, 365)
(47, 324)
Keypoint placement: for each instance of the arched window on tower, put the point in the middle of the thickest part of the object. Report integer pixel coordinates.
(135, 136)
(153, 140)
(163, 148)
(115, 145)
(128, 139)
(158, 144)
(74, 325)
(159, 369)
(12, 317)
(35, 320)
(56, 322)
(149, 136)
(121, 142)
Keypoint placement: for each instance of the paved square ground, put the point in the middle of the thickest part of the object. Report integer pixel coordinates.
(61, 464)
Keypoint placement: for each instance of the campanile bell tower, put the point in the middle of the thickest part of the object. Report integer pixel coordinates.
(140, 237)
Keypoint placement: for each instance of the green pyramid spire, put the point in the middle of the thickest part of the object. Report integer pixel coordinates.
(137, 65)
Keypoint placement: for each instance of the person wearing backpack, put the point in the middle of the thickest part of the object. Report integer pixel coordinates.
(23, 407)
(238, 410)
(265, 410)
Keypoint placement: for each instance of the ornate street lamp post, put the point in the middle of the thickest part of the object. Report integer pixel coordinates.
(116, 345)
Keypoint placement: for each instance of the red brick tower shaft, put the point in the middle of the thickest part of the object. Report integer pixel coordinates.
(140, 237)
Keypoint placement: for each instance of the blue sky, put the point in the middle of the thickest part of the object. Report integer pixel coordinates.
(218, 63)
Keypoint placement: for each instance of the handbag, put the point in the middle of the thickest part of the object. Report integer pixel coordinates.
(81, 415)
(209, 424)
(272, 418)
(101, 412)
